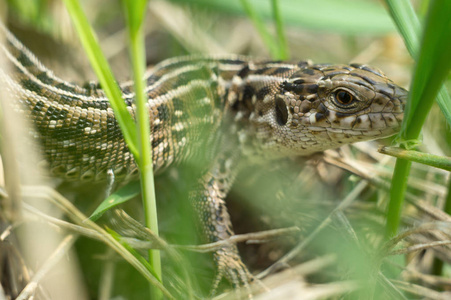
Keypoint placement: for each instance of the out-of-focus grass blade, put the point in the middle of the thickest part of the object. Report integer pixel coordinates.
(261, 28)
(407, 23)
(277, 47)
(103, 72)
(432, 68)
(143, 262)
(343, 16)
(433, 65)
(282, 40)
(135, 12)
(132, 251)
(432, 160)
(31, 11)
(122, 195)
(409, 26)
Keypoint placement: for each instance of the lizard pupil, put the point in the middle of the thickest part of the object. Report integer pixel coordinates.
(343, 97)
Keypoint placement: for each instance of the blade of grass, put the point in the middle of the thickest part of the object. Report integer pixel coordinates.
(80, 219)
(438, 265)
(447, 208)
(432, 160)
(407, 23)
(409, 26)
(135, 12)
(282, 41)
(342, 16)
(122, 195)
(433, 66)
(140, 148)
(103, 72)
(431, 70)
(261, 29)
(132, 251)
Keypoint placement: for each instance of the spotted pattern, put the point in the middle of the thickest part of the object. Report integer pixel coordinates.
(231, 107)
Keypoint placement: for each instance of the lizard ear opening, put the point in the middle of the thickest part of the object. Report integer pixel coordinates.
(281, 111)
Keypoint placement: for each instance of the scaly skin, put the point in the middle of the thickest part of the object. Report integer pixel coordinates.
(232, 107)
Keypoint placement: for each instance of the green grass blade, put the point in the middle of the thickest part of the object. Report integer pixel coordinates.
(261, 29)
(447, 208)
(140, 148)
(397, 194)
(432, 67)
(409, 26)
(132, 251)
(341, 16)
(135, 12)
(282, 40)
(407, 23)
(144, 263)
(103, 72)
(428, 159)
(127, 192)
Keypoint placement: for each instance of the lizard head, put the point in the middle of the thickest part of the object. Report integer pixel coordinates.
(321, 107)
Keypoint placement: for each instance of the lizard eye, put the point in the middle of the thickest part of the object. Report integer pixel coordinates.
(343, 98)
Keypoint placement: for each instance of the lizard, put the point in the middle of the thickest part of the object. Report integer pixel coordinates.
(234, 107)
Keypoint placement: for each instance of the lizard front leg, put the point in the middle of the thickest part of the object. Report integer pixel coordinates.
(209, 203)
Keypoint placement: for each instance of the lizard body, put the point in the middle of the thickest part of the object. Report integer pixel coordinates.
(233, 107)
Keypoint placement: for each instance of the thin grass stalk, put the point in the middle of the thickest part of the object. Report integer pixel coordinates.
(407, 23)
(261, 29)
(431, 69)
(447, 208)
(140, 148)
(397, 195)
(100, 65)
(48, 194)
(135, 12)
(282, 40)
(436, 161)
(437, 268)
(438, 264)
(409, 26)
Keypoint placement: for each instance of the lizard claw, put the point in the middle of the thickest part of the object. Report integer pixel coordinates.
(230, 266)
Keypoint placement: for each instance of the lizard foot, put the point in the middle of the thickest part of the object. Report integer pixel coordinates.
(230, 266)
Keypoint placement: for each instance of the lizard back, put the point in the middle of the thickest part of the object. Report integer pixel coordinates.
(273, 108)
